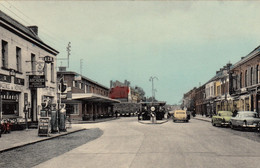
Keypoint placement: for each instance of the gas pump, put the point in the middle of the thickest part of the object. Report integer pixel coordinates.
(54, 123)
(44, 121)
(62, 118)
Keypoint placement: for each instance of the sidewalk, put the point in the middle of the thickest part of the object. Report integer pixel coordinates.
(21, 138)
(202, 118)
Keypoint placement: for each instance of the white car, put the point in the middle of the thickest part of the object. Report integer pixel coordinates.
(245, 119)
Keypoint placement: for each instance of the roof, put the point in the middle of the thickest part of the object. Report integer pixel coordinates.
(76, 74)
(93, 98)
(246, 112)
(252, 54)
(24, 29)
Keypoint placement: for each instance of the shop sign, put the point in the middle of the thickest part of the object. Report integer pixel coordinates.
(48, 59)
(37, 81)
(7, 86)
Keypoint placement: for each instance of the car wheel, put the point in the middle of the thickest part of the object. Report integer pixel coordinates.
(231, 125)
(173, 120)
(213, 124)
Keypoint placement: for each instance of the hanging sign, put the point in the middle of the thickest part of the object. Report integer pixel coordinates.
(36, 81)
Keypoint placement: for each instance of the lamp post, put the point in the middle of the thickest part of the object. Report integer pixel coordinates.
(151, 80)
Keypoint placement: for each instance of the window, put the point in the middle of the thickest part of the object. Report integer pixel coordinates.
(33, 63)
(72, 108)
(257, 74)
(4, 53)
(46, 71)
(86, 88)
(74, 84)
(18, 59)
(52, 72)
(240, 80)
(251, 76)
(80, 85)
(246, 78)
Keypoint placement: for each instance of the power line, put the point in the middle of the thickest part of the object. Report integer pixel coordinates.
(44, 30)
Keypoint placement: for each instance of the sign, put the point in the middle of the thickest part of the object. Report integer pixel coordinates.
(44, 126)
(36, 81)
(48, 59)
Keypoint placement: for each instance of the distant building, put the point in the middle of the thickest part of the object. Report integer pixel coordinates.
(24, 57)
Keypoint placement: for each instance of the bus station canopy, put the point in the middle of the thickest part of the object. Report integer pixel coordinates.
(93, 98)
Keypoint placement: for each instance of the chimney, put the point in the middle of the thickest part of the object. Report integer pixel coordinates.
(34, 29)
(62, 69)
(242, 58)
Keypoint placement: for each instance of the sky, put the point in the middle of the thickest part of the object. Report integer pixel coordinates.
(183, 44)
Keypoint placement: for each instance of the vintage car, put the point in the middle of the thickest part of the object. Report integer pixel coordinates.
(150, 110)
(180, 115)
(245, 119)
(222, 118)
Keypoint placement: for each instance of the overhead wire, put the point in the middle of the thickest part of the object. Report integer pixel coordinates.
(43, 28)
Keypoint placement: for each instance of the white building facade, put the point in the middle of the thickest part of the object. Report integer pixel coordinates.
(24, 55)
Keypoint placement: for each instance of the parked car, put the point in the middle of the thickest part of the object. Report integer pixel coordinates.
(245, 119)
(222, 118)
(180, 115)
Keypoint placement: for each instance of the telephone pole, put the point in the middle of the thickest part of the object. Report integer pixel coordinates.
(151, 80)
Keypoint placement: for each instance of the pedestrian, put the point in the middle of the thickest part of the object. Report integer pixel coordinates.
(235, 112)
(116, 113)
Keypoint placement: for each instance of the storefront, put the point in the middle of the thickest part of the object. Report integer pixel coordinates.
(10, 103)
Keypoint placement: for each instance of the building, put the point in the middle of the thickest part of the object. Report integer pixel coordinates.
(27, 74)
(85, 99)
(245, 82)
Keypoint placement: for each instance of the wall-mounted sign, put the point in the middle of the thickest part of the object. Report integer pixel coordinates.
(48, 59)
(36, 81)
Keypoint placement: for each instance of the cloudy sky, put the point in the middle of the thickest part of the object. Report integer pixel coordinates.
(183, 44)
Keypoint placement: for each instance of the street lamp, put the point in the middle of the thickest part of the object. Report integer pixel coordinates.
(151, 80)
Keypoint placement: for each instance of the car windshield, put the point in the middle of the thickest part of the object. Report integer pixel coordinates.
(249, 115)
(180, 113)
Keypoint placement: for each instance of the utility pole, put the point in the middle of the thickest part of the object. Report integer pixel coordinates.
(151, 80)
(68, 50)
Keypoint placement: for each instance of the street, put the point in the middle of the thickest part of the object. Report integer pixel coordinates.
(128, 144)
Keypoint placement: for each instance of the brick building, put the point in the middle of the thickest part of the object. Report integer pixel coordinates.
(85, 99)
(245, 82)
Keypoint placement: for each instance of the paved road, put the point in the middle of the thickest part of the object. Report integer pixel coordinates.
(126, 143)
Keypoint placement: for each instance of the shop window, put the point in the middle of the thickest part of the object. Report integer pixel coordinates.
(18, 59)
(4, 54)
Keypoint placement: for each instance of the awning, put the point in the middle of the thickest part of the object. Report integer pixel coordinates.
(91, 97)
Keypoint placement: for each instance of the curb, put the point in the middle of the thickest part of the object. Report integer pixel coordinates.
(202, 119)
(41, 140)
(153, 123)
(91, 122)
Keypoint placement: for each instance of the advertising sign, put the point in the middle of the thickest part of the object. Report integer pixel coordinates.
(36, 81)
(44, 126)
